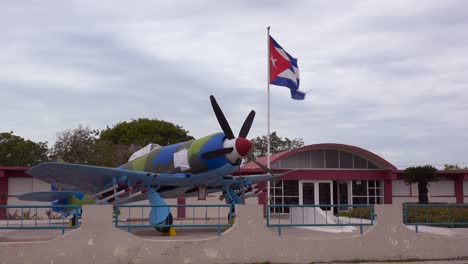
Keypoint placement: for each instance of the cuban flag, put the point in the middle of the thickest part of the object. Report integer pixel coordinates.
(284, 70)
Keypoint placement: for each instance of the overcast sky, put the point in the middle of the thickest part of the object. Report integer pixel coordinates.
(387, 76)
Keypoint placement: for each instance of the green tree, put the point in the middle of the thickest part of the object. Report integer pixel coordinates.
(143, 131)
(17, 151)
(112, 147)
(76, 145)
(421, 175)
(108, 154)
(277, 144)
(448, 167)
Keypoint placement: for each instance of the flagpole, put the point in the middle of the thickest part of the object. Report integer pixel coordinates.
(268, 118)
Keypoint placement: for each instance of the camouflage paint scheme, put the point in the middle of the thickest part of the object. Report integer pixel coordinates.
(161, 160)
(77, 198)
(171, 171)
(156, 170)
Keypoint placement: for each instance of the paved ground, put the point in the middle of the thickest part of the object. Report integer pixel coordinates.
(413, 262)
(17, 235)
(315, 233)
(182, 234)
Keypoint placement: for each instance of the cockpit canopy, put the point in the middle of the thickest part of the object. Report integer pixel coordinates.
(143, 151)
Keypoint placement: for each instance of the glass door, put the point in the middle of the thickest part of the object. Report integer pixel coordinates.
(316, 192)
(325, 194)
(343, 194)
(308, 193)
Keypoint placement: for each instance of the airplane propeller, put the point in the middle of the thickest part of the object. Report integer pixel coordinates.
(265, 168)
(240, 145)
(221, 118)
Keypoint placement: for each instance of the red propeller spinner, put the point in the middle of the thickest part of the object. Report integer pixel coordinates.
(243, 146)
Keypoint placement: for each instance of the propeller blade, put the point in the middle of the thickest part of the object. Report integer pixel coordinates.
(261, 165)
(216, 153)
(247, 124)
(221, 119)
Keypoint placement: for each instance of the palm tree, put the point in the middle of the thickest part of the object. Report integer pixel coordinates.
(422, 175)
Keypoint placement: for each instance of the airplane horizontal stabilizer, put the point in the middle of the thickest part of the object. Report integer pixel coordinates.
(45, 196)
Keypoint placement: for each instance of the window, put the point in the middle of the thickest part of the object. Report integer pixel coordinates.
(359, 163)
(289, 162)
(302, 159)
(346, 160)
(283, 192)
(367, 192)
(324, 158)
(331, 159)
(316, 159)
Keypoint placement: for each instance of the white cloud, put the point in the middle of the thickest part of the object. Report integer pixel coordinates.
(386, 76)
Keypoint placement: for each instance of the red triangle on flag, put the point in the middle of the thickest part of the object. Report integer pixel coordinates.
(278, 63)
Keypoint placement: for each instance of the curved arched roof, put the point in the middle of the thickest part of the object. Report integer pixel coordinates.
(379, 161)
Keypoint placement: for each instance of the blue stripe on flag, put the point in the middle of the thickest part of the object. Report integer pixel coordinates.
(295, 94)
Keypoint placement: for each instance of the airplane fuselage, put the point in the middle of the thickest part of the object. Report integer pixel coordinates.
(182, 157)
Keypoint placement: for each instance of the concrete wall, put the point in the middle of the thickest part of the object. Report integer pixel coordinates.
(248, 241)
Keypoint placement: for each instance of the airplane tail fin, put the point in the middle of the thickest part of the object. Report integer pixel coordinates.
(54, 188)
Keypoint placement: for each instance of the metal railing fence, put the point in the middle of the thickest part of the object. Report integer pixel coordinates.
(449, 215)
(309, 215)
(36, 217)
(196, 216)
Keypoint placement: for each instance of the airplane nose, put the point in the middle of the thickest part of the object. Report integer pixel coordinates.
(243, 146)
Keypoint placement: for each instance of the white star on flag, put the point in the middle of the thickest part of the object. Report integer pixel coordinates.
(273, 61)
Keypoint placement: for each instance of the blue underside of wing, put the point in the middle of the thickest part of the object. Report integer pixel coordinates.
(45, 196)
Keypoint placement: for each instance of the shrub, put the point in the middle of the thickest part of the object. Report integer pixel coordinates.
(360, 212)
(356, 212)
(438, 214)
(51, 215)
(25, 215)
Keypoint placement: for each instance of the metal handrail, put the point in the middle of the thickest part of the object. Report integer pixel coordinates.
(36, 221)
(280, 225)
(218, 223)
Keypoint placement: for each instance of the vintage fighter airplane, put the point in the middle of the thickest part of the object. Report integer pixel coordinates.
(184, 169)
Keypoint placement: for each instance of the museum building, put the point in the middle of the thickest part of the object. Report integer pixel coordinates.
(326, 173)
(332, 173)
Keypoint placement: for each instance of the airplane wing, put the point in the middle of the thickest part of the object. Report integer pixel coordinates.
(91, 179)
(45, 196)
(235, 181)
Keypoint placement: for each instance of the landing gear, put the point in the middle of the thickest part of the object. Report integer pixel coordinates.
(169, 220)
(232, 215)
(232, 199)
